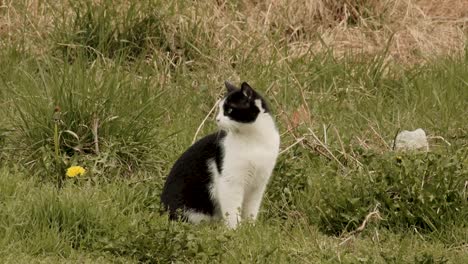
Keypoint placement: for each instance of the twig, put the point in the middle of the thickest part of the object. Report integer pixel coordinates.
(339, 140)
(323, 145)
(299, 140)
(441, 138)
(266, 22)
(364, 223)
(315, 147)
(375, 213)
(346, 240)
(269, 88)
(394, 139)
(204, 120)
(419, 234)
(325, 134)
(362, 143)
(380, 137)
(95, 134)
(343, 149)
(376, 237)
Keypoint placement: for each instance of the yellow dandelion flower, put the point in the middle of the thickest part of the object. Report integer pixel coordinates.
(74, 171)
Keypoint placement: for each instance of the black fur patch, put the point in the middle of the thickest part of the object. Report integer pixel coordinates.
(188, 183)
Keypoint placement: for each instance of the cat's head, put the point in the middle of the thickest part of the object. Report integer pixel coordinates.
(240, 107)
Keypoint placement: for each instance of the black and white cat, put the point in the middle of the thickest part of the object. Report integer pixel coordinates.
(224, 175)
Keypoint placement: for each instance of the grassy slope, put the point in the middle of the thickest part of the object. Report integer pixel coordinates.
(113, 214)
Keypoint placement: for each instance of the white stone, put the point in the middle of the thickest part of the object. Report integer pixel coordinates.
(411, 140)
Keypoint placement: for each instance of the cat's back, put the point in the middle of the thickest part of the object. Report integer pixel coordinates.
(188, 183)
(197, 155)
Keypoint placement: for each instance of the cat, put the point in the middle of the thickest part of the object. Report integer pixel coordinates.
(224, 175)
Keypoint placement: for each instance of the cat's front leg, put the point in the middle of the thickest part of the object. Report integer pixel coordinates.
(252, 201)
(230, 194)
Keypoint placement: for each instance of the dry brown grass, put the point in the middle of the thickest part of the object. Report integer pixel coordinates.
(420, 28)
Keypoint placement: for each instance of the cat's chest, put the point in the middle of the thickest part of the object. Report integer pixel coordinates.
(252, 153)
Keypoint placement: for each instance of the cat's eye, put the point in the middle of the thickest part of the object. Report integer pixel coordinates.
(229, 110)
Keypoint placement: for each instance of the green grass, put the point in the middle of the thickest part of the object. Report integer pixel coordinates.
(147, 86)
(118, 222)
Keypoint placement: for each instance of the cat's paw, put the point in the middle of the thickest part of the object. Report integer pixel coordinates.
(232, 220)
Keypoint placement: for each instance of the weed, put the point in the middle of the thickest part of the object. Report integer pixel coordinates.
(112, 115)
(411, 191)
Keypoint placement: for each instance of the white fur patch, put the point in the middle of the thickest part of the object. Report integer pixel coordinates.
(197, 218)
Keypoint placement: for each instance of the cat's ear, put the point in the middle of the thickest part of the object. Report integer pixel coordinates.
(247, 90)
(230, 87)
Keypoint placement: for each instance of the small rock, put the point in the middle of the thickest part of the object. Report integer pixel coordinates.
(411, 140)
